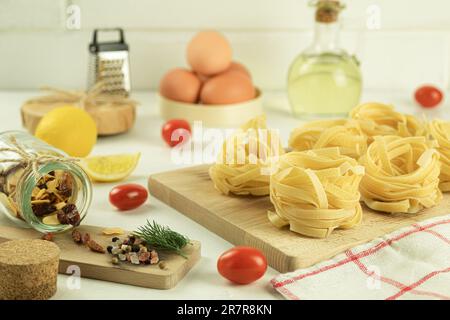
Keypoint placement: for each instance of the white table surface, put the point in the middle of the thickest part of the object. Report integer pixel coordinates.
(203, 281)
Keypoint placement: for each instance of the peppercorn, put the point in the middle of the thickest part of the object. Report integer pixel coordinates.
(109, 248)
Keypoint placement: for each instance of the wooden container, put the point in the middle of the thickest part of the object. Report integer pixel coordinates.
(28, 269)
(110, 120)
(227, 115)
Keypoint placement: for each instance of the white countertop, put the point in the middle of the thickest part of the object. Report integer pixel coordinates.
(203, 281)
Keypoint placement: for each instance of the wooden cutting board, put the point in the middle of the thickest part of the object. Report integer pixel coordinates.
(243, 220)
(98, 266)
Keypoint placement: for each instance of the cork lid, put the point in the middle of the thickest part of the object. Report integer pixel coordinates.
(328, 10)
(27, 252)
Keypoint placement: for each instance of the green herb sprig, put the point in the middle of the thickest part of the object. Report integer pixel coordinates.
(162, 238)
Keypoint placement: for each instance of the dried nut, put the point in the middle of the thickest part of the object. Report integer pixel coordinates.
(154, 257)
(135, 248)
(51, 220)
(86, 238)
(48, 237)
(116, 250)
(60, 205)
(134, 259)
(112, 231)
(143, 249)
(69, 215)
(109, 249)
(76, 236)
(43, 208)
(162, 265)
(122, 257)
(144, 256)
(95, 247)
(114, 260)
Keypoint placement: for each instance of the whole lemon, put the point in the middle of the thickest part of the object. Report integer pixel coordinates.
(70, 129)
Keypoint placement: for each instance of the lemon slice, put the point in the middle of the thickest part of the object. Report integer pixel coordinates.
(110, 168)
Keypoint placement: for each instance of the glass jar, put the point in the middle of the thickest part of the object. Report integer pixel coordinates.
(324, 80)
(53, 197)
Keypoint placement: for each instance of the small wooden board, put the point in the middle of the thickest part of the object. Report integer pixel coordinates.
(98, 266)
(243, 220)
(109, 120)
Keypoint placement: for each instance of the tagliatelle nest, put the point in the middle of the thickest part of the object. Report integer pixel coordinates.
(378, 119)
(316, 191)
(439, 131)
(402, 175)
(247, 159)
(342, 133)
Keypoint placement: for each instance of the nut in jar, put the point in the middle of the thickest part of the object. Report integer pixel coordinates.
(40, 186)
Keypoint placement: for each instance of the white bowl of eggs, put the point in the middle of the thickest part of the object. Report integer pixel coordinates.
(216, 91)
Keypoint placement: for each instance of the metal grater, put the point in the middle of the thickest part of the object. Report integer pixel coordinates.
(109, 63)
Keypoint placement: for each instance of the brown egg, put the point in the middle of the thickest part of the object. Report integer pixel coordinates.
(239, 67)
(209, 53)
(227, 88)
(180, 85)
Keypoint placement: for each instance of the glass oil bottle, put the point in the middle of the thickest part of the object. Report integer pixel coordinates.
(324, 80)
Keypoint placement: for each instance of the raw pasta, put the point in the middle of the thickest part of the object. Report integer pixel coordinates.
(315, 192)
(378, 119)
(402, 175)
(247, 159)
(439, 131)
(342, 133)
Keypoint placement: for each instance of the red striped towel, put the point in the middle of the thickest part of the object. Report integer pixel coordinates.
(411, 263)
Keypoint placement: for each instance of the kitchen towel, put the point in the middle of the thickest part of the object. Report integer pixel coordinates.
(411, 263)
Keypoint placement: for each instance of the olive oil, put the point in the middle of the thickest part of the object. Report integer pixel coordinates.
(324, 80)
(325, 84)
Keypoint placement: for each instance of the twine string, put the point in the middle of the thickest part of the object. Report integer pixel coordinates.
(32, 161)
(93, 97)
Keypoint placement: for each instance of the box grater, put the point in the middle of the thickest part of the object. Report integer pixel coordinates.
(109, 63)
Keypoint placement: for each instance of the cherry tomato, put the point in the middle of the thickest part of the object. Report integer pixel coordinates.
(242, 265)
(428, 96)
(128, 196)
(175, 131)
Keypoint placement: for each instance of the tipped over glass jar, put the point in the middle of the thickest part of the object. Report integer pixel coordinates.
(40, 186)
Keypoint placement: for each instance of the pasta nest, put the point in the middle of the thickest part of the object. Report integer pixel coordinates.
(402, 175)
(439, 131)
(378, 119)
(342, 133)
(247, 159)
(316, 191)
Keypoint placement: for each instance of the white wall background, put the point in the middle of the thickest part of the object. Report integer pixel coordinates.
(36, 48)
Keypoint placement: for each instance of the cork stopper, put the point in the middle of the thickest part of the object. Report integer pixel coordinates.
(28, 269)
(328, 10)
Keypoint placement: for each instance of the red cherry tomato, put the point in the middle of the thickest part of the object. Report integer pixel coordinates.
(175, 131)
(242, 265)
(128, 196)
(428, 96)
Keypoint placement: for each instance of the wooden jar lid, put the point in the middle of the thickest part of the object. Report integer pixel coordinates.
(109, 120)
(28, 269)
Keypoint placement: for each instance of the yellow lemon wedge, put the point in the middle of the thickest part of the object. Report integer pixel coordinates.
(111, 167)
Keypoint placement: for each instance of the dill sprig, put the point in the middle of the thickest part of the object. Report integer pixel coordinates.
(162, 238)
